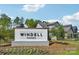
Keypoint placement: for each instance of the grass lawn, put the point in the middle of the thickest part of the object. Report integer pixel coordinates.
(59, 47)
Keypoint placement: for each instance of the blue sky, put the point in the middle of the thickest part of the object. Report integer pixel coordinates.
(64, 13)
(49, 11)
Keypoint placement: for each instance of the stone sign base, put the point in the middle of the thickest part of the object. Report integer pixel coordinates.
(30, 43)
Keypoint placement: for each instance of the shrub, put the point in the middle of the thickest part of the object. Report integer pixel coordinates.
(6, 35)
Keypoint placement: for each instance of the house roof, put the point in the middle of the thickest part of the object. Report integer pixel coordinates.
(43, 24)
(54, 23)
(68, 28)
(20, 26)
(46, 25)
(75, 29)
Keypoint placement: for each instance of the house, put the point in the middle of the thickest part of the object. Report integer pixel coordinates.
(41, 25)
(22, 26)
(25, 26)
(70, 31)
(12, 26)
(48, 26)
(53, 25)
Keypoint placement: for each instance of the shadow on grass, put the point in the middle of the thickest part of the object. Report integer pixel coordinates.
(4, 45)
(63, 43)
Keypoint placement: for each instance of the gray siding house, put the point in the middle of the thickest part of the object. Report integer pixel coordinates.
(48, 26)
(41, 25)
(70, 31)
(53, 25)
(18, 26)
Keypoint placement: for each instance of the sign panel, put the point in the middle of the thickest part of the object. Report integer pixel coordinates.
(31, 34)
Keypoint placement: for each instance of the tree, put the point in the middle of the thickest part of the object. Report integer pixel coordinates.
(21, 20)
(31, 23)
(58, 32)
(17, 20)
(5, 21)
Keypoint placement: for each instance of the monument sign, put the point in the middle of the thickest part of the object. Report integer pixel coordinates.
(31, 37)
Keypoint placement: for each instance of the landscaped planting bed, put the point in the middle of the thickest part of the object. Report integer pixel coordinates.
(22, 51)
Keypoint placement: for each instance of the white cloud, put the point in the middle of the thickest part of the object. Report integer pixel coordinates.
(53, 20)
(32, 7)
(76, 16)
(69, 19)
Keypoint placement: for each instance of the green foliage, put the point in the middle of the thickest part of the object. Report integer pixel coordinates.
(31, 23)
(6, 35)
(5, 21)
(18, 20)
(58, 32)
